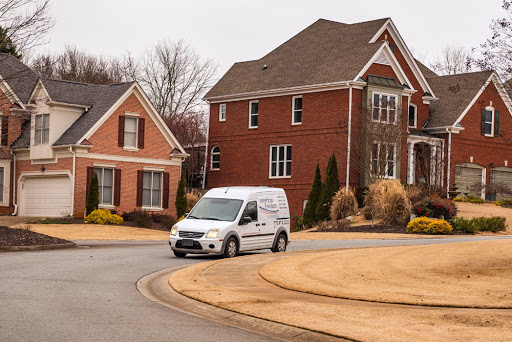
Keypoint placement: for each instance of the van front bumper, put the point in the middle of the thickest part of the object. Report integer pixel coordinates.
(198, 246)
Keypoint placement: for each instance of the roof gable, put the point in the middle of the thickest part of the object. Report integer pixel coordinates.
(20, 79)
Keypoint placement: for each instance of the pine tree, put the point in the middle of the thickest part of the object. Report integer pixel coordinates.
(329, 189)
(309, 217)
(181, 197)
(7, 46)
(93, 196)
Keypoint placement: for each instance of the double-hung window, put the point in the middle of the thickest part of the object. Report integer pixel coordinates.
(413, 116)
(152, 189)
(384, 108)
(296, 110)
(280, 161)
(130, 132)
(106, 184)
(222, 112)
(383, 158)
(42, 129)
(253, 114)
(490, 122)
(215, 161)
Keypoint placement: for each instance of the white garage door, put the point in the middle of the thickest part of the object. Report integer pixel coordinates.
(466, 177)
(46, 196)
(504, 176)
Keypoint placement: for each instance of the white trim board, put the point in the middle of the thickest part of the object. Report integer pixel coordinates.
(128, 159)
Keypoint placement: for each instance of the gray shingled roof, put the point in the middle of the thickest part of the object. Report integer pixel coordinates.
(455, 93)
(426, 71)
(100, 98)
(324, 52)
(18, 76)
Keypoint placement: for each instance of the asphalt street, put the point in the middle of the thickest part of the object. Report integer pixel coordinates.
(89, 293)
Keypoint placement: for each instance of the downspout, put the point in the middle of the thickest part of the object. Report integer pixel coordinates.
(449, 159)
(15, 212)
(73, 182)
(206, 151)
(349, 133)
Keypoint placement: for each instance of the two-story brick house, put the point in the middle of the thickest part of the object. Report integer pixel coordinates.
(357, 91)
(55, 134)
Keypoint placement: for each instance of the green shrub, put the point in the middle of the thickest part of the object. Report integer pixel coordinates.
(165, 220)
(462, 225)
(435, 206)
(490, 224)
(343, 204)
(297, 223)
(309, 217)
(181, 197)
(388, 201)
(103, 216)
(424, 225)
(329, 189)
(506, 203)
(93, 195)
(141, 218)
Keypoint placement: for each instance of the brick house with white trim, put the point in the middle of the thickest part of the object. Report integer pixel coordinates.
(272, 120)
(55, 134)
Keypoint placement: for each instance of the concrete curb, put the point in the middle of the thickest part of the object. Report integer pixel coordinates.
(37, 247)
(155, 287)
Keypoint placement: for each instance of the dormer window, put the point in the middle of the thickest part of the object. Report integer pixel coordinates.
(42, 129)
(490, 122)
(384, 108)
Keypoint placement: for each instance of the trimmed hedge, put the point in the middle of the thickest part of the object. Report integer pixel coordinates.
(103, 216)
(424, 225)
(479, 224)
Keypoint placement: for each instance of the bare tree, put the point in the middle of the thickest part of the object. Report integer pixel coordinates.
(25, 23)
(174, 76)
(453, 59)
(79, 66)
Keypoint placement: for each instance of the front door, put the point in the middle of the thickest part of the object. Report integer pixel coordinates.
(422, 163)
(251, 232)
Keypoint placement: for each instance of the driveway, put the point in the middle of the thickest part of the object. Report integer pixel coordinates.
(9, 220)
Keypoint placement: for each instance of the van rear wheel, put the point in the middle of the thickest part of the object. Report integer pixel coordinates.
(280, 245)
(231, 249)
(179, 254)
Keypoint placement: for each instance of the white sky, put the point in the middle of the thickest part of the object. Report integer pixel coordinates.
(237, 30)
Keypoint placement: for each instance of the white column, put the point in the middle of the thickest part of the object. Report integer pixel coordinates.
(410, 154)
(433, 164)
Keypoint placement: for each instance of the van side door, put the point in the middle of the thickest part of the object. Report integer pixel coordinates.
(250, 233)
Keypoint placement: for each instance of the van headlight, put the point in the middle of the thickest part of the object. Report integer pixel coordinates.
(174, 230)
(212, 234)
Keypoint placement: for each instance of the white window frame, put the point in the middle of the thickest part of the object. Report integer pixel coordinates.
(136, 117)
(211, 158)
(379, 145)
(42, 129)
(6, 166)
(253, 114)
(415, 115)
(285, 162)
(294, 110)
(387, 107)
(100, 187)
(222, 110)
(151, 207)
(493, 113)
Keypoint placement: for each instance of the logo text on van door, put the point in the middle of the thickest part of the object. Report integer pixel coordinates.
(268, 206)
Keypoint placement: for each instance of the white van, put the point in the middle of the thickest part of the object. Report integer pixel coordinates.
(234, 219)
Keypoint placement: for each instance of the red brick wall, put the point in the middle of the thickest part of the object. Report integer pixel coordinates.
(486, 151)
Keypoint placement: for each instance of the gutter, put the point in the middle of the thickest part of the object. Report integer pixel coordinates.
(449, 160)
(349, 133)
(73, 182)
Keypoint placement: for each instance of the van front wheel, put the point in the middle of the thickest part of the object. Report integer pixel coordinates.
(179, 254)
(231, 249)
(280, 245)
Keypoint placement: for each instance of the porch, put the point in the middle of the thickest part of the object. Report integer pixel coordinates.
(425, 159)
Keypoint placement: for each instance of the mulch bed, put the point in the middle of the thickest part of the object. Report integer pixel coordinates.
(366, 229)
(24, 237)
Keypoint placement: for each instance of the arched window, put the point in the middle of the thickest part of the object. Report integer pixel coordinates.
(413, 116)
(215, 161)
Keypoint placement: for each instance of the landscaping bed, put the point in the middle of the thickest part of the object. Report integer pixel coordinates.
(365, 229)
(10, 237)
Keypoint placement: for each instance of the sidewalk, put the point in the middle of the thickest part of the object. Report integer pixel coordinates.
(236, 285)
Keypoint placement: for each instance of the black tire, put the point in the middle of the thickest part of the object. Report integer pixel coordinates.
(179, 254)
(231, 248)
(280, 244)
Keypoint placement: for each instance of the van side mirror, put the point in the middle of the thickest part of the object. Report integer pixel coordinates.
(245, 220)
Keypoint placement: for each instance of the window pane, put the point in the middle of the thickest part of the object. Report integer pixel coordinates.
(130, 124)
(146, 197)
(251, 210)
(156, 199)
(107, 195)
(1, 184)
(254, 120)
(108, 177)
(289, 168)
(46, 135)
(376, 100)
(254, 107)
(288, 153)
(39, 121)
(281, 152)
(297, 116)
(274, 153)
(216, 157)
(216, 149)
(375, 113)
(392, 116)
(412, 115)
(488, 116)
(281, 169)
(298, 103)
(391, 169)
(146, 180)
(129, 139)
(46, 120)
(392, 101)
(273, 167)
(384, 102)
(99, 175)
(157, 176)
(488, 128)
(37, 136)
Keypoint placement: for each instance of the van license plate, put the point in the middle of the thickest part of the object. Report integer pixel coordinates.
(187, 242)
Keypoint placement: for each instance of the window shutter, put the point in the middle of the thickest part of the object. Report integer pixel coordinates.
(90, 170)
(141, 133)
(482, 124)
(120, 133)
(117, 187)
(5, 129)
(140, 175)
(165, 202)
(496, 123)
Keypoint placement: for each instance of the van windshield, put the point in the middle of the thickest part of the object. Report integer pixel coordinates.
(218, 209)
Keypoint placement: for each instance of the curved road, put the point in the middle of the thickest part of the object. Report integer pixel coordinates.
(89, 293)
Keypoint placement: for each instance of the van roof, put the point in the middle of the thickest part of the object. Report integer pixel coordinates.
(240, 192)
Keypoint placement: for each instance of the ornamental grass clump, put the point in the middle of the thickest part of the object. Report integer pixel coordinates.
(343, 204)
(103, 216)
(425, 225)
(192, 199)
(387, 200)
(436, 207)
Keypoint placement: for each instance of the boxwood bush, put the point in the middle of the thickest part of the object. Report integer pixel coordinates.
(424, 225)
(103, 216)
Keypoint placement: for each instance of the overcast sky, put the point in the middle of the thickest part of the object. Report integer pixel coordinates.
(237, 30)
